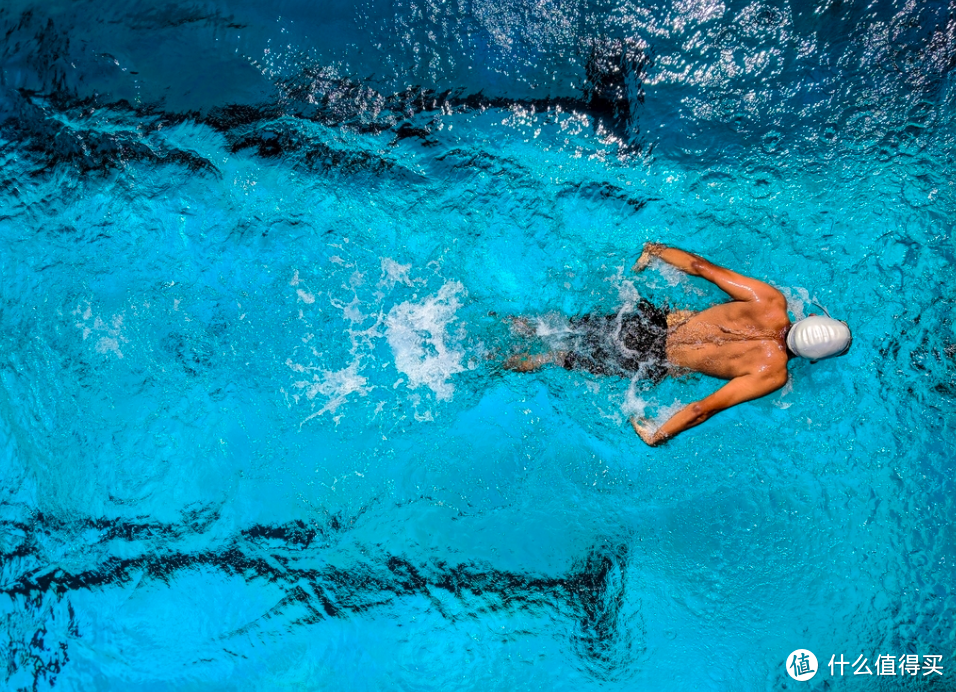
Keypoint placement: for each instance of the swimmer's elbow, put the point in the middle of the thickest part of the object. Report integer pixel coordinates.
(777, 381)
(699, 413)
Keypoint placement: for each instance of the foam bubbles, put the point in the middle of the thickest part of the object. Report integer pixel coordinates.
(108, 333)
(417, 333)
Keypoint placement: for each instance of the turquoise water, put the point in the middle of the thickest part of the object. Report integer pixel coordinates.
(258, 261)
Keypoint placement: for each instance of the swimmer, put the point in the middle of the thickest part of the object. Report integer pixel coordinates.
(748, 341)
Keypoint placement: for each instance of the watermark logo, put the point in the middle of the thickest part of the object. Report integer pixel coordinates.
(801, 665)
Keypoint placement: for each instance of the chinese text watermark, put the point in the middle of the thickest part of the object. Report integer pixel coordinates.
(802, 665)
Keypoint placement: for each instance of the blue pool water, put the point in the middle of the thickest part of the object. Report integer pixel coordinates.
(257, 262)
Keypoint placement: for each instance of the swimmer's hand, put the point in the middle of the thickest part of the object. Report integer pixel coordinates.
(642, 426)
(651, 250)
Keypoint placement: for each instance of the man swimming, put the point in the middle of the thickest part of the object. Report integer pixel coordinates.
(748, 341)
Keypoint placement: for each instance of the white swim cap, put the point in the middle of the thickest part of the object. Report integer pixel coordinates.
(819, 337)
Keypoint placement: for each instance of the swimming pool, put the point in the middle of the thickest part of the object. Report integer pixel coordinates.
(258, 260)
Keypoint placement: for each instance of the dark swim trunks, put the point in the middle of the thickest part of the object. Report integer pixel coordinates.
(622, 345)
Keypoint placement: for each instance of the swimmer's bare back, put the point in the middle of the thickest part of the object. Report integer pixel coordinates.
(743, 341)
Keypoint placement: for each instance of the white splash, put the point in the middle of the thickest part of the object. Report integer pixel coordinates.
(335, 385)
(417, 333)
(664, 413)
(797, 300)
(636, 405)
(787, 389)
(554, 329)
(629, 296)
(672, 275)
(394, 273)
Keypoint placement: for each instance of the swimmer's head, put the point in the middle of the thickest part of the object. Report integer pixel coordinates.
(817, 337)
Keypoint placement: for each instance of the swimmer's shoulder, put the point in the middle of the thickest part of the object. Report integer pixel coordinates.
(773, 370)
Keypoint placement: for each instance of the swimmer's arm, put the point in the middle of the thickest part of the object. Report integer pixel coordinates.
(737, 286)
(736, 391)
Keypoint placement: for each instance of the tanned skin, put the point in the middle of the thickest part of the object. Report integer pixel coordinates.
(743, 341)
